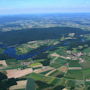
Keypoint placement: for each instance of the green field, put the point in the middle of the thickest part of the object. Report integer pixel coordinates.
(58, 62)
(74, 74)
(74, 63)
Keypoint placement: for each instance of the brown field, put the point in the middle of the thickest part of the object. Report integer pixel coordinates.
(18, 73)
(3, 62)
(20, 85)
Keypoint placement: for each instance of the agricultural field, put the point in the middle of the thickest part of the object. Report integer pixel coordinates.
(54, 53)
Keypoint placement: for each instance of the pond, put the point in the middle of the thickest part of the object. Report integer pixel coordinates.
(11, 51)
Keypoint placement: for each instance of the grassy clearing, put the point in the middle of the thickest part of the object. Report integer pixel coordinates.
(45, 72)
(74, 63)
(86, 73)
(46, 79)
(59, 62)
(1, 51)
(35, 64)
(74, 74)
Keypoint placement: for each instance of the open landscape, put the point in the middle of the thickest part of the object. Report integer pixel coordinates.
(55, 53)
(44, 44)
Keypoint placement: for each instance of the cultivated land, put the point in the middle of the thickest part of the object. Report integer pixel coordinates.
(54, 54)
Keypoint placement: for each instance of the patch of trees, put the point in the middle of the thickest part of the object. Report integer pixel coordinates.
(23, 36)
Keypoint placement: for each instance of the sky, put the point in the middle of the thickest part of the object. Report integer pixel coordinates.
(43, 6)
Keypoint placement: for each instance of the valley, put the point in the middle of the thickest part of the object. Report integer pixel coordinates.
(54, 57)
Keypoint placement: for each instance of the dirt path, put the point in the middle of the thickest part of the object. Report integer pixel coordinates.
(43, 69)
(75, 68)
(50, 72)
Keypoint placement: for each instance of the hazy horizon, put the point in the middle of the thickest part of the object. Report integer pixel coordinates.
(10, 7)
